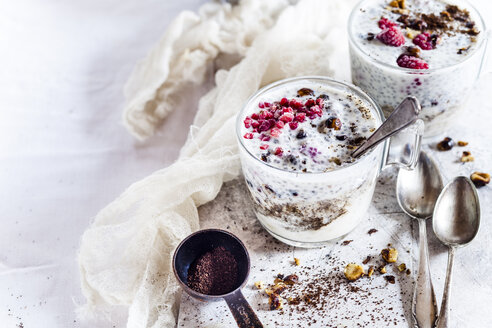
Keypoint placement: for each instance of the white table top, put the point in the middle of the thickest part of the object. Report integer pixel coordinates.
(65, 153)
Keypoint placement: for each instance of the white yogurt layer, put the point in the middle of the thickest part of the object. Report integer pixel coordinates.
(319, 143)
(456, 41)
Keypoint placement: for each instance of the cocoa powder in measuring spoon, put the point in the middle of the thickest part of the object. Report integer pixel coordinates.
(214, 273)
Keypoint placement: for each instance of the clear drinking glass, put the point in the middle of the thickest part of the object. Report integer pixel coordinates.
(312, 209)
(442, 92)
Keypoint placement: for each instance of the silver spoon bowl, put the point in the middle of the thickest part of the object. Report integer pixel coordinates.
(417, 191)
(456, 223)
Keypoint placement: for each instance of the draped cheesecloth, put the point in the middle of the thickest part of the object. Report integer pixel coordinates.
(125, 255)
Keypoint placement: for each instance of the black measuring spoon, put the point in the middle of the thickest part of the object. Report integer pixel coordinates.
(203, 241)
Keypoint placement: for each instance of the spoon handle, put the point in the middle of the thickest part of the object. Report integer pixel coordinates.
(443, 320)
(403, 116)
(424, 306)
(242, 312)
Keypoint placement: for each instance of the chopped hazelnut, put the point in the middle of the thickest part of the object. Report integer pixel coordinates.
(297, 262)
(275, 302)
(462, 143)
(333, 123)
(370, 271)
(414, 51)
(390, 279)
(402, 267)
(480, 179)
(411, 33)
(467, 157)
(390, 255)
(445, 144)
(291, 279)
(259, 285)
(276, 289)
(382, 269)
(305, 92)
(366, 260)
(394, 4)
(446, 15)
(353, 271)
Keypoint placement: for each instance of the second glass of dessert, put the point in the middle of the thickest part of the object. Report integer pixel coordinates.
(430, 49)
(295, 138)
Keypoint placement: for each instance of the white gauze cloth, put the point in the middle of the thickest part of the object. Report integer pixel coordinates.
(125, 256)
(181, 57)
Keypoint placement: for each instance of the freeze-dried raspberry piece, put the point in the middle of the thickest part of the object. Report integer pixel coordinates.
(391, 36)
(411, 62)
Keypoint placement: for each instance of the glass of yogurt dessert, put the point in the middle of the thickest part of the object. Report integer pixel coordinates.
(430, 49)
(295, 138)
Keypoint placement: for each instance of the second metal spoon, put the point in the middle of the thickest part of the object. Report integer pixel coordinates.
(417, 191)
(456, 222)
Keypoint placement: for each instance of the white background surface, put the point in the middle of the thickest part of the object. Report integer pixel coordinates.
(64, 152)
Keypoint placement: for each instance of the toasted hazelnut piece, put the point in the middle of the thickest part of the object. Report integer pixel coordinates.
(446, 144)
(446, 15)
(414, 51)
(390, 279)
(259, 284)
(382, 269)
(402, 267)
(353, 271)
(278, 280)
(462, 143)
(275, 302)
(366, 260)
(394, 4)
(276, 289)
(297, 262)
(411, 33)
(467, 157)
(337, 161)
(333, 123)
(305, 92)
(291, 279)
(480, 179)
(390, 255)
(370, 271)
(408, 272)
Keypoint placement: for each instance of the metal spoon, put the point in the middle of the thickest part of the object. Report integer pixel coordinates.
(417, 191)
(456, 222)
(403, 116)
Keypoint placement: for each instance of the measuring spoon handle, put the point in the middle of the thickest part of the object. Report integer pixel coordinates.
(242, 312)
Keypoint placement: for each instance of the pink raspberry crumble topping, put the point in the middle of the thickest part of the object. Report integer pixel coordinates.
(408, 61)
(391, 36)
(272, 118)
(385, 23)
(425, 41)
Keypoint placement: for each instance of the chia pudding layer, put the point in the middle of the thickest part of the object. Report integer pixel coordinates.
(432, 50)
(296, 139)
